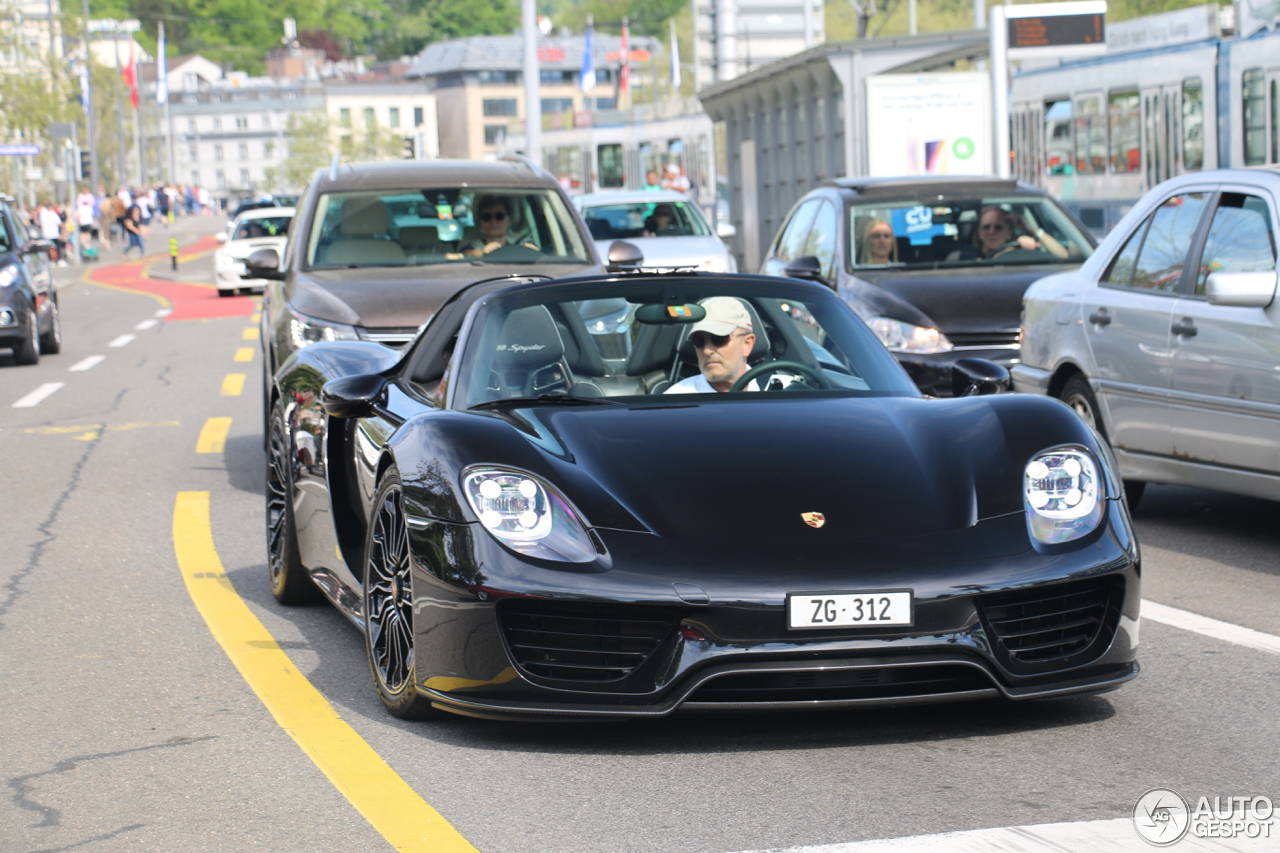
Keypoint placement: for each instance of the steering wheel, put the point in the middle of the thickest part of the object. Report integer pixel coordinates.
(804, 370)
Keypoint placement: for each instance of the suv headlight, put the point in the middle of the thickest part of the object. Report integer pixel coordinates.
(527, 515)
(1063, 494)
(899, 336)
(309, 330)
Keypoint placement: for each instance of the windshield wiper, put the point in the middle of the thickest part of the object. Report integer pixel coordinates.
(544, 400)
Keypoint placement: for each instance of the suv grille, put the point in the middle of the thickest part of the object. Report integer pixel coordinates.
(1044, 627)
(582, 641)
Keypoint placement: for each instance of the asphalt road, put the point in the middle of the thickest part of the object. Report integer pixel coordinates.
(124, 726)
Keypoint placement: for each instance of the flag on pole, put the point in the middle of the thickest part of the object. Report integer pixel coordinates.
(587, 77)
(130, 75)
(162, 68)
(82, 68)
(675, 62)
(624, 71)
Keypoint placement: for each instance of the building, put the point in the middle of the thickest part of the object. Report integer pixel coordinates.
(733, 37)
(478, 83)
(30, 35)
(402, 108)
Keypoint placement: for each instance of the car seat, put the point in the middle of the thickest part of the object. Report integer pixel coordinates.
(363, 235)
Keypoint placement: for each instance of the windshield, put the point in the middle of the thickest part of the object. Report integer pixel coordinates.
(645, 219)
(964, 232)
(669, 341)
(440, 226)
(267, 226)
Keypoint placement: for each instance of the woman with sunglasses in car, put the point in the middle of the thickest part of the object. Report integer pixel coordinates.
(494, 217)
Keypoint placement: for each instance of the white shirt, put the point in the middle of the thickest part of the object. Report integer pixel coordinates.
(84, 209)
(699, 385)
(50, 224)
(144, 205)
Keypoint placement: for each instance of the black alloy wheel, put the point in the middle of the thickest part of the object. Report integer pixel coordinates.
(1079, 396)
(51, 341)
(388, 605)
(28, 350)
(290, 583)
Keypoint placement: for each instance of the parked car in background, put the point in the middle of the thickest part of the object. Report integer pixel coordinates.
(1168, 339)
(665, 225)
(259, 228)
(29, 321)
(935, 266)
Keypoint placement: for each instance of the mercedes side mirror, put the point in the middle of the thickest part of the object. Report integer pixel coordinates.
(623, 256)
(353, 396)
(264, 263)
(808, 268)
(974, 377)
(1241, 289)
(726, 230)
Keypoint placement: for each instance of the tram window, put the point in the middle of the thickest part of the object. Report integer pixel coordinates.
(1192, 125)
(1255, 117)
(1091, 137)
(1057, 137)
(1126, 132)
(609, 159)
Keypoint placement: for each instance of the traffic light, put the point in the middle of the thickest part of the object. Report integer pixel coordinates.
(410, 152)
(85, 168)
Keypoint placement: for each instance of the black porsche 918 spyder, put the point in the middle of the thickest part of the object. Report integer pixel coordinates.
(523, 523)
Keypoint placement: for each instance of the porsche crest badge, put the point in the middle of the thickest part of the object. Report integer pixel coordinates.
(814, 519)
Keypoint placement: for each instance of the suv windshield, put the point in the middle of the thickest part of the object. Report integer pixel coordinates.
(964, 232)
(441, 226)
(264, 226)
(645, 219)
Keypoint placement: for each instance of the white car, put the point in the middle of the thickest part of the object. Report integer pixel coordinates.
(681, 238)
(264, 228)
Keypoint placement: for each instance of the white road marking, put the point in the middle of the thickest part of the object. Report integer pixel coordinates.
(88, 363)
(146, 324)
(164, 312)
(121, 341)
(1096, 836)
(38, 396)
(1189, 621)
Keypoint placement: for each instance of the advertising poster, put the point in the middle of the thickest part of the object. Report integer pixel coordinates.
(929, 124)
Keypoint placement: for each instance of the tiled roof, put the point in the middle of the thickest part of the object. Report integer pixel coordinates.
(506, 53)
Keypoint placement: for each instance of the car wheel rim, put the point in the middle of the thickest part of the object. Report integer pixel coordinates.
(277, 500)
(389, 596)
(1081, 407)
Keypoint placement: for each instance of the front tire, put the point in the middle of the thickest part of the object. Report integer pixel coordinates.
(51, 341)
(388, 605)
(1079, 396)
(290, 582)
(28, 350)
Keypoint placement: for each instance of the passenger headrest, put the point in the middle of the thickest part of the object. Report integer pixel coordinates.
(364, 217)
(529, 339)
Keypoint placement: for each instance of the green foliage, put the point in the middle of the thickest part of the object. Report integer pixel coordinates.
(310, 142)
(645, 17)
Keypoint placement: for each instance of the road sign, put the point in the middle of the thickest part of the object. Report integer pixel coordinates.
(35, 174)
(19, 150)
(1057, 29)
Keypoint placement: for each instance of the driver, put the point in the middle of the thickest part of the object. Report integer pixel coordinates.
(722, 341)
(494, 216)
(1000, 231)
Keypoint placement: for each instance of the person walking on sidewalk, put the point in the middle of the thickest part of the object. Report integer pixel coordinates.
(133, 230)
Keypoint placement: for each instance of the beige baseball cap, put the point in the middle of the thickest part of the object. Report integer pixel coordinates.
(724, 314)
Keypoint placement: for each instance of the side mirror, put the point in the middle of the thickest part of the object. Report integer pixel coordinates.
(726, 230)
(221, 236)
(264, 263)
(40, 245)
(353, 396)
(973, 377)
(1241, 289)
(623, 256)
(808, 268)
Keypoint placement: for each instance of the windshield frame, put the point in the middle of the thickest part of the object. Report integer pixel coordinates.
(853, 203)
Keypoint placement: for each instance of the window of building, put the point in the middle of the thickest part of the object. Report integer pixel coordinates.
(217, 123)
(266, 121)
(344, 117)
(498, 107)
(191, 125)
(289, 94)
(244, 151)
(194, 154)
(602, 103)
(244, 178)
(1255, 117)
(393, 117)
(604, 75)
(217, 152)
(268, 149)
(494, 132)
(556, 105)
(1091, 137)
(558, 78)
(1126, 132)
(242, 122)
(417, 116)
(370, 119)
(497, 78)
(1192, 125)
(195, 177)
(610, 170)
(220, 179)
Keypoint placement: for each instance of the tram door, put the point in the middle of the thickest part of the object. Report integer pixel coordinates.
(1027, 134)
(1161, 133)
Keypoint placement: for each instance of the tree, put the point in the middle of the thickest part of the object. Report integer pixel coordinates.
(310, 141)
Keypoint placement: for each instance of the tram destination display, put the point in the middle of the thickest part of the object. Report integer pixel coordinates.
(1057, 29)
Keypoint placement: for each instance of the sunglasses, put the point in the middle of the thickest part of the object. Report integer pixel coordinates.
(994, 226)
(701, 339)
(495, 216)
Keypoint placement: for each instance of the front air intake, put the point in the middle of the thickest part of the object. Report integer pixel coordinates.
(1048, 627)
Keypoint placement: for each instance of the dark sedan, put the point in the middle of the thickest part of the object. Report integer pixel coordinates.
(524, 523)
(29, 322)
(935, 266)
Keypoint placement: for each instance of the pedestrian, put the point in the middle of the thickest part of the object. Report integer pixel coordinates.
(133, 230)
(162, 206)
(85, 219)
(106, 217)
(142, 201)
(50, 224)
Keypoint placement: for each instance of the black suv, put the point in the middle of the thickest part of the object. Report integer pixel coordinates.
(374, 249)
(935, 266)
(29, 322)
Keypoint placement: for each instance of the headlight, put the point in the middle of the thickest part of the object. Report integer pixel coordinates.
(716, 264)
(1063, 495)
(898, 336)
(308, 330)
(227, 261)
(8, 275)
(527, 516)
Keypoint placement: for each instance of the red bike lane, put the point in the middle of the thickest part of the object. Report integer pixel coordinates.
(188, 301)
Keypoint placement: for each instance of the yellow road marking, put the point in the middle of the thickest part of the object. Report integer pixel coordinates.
(384, 799)
(244, 354)
(213, 435)
(233, 384)
(88, 432)
(256, 317)
(251, 333)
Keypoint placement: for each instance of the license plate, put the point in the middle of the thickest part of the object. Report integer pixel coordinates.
(849, 609)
